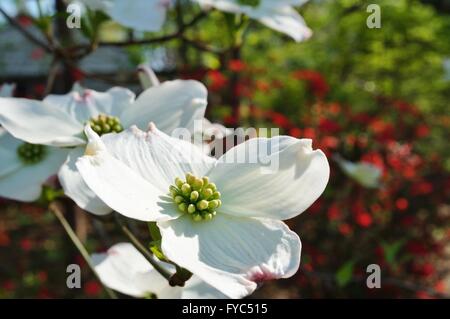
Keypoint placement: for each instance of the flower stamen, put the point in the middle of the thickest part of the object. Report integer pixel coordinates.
(31, 153)
(104, 124)
(195, 196)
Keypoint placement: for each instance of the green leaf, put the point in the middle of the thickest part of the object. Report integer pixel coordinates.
(344, 274)
(154, 231)
(391, 250)
(49, 194)
(155, 248)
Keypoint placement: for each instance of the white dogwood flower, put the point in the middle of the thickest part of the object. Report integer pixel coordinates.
(124, 269)
(25, 167)
(141, 15)
(278, 15)
(220, 219)
(366, 174)
(59, 120)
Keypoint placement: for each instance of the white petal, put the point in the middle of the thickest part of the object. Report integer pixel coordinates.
(75, 187)
(123, 268)
(7, 90)
(9, 162)
(141, 15)
(275, 178)
(147, 76)
(25, 184)
(123, 189)
(82, 104)
(156, 156)
(277, 15)
(285, 20)
(171, 105)
(195, 288)
(223, 5)
(366, 174)
(39, 123)
(232, 254)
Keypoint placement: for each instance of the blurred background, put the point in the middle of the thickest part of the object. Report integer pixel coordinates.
(374, 96)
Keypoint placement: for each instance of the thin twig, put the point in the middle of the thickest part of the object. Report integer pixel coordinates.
(56, 210)
(26, 33)
(164, 38)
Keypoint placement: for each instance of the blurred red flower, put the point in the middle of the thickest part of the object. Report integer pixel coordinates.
(216, 80)
(236, 65)
(92, 288)
(316, 81)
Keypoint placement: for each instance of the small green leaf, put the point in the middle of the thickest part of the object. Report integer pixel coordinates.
(391, 250)
(344, 274)
(155, 248)
(154, 231)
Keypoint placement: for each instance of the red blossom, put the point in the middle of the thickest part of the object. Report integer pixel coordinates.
(422, 131)
(295, 132)
(316, 81)
(401, 204)
(421, 188)
(26, 244)
(24, 21)
(279, 119)
(363, 219)
(416, 248)
(329, 126)
(334, 213)
(345, 229)
(92, 288)
(236, 65)
(216, 80)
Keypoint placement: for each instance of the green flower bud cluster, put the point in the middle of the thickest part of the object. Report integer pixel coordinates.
(31, 153)
(197, 197)
(104, 124)
(251, 3)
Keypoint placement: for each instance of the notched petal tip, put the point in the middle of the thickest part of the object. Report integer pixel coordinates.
(198, 102)
(95, 143)
(152, 127)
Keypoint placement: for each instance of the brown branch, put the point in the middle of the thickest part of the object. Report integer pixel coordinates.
(164, 38)
(27, 34)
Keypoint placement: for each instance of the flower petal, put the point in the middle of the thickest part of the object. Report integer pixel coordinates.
(141, 15)
(366, 174)
(195, 288)
(39, 123)
(123, 268)
(7, 90)
(156, 156)
(277, 15)
(75, 187)
(171, 105)
(82, 104)
(232, 254)
(9, 161)
(284, 19)
(275, 178)
(123, 189)
(25, 184)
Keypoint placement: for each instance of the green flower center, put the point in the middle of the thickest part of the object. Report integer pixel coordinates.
(197, 197)
(31, 153)
(251, 3)
(104, 124)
